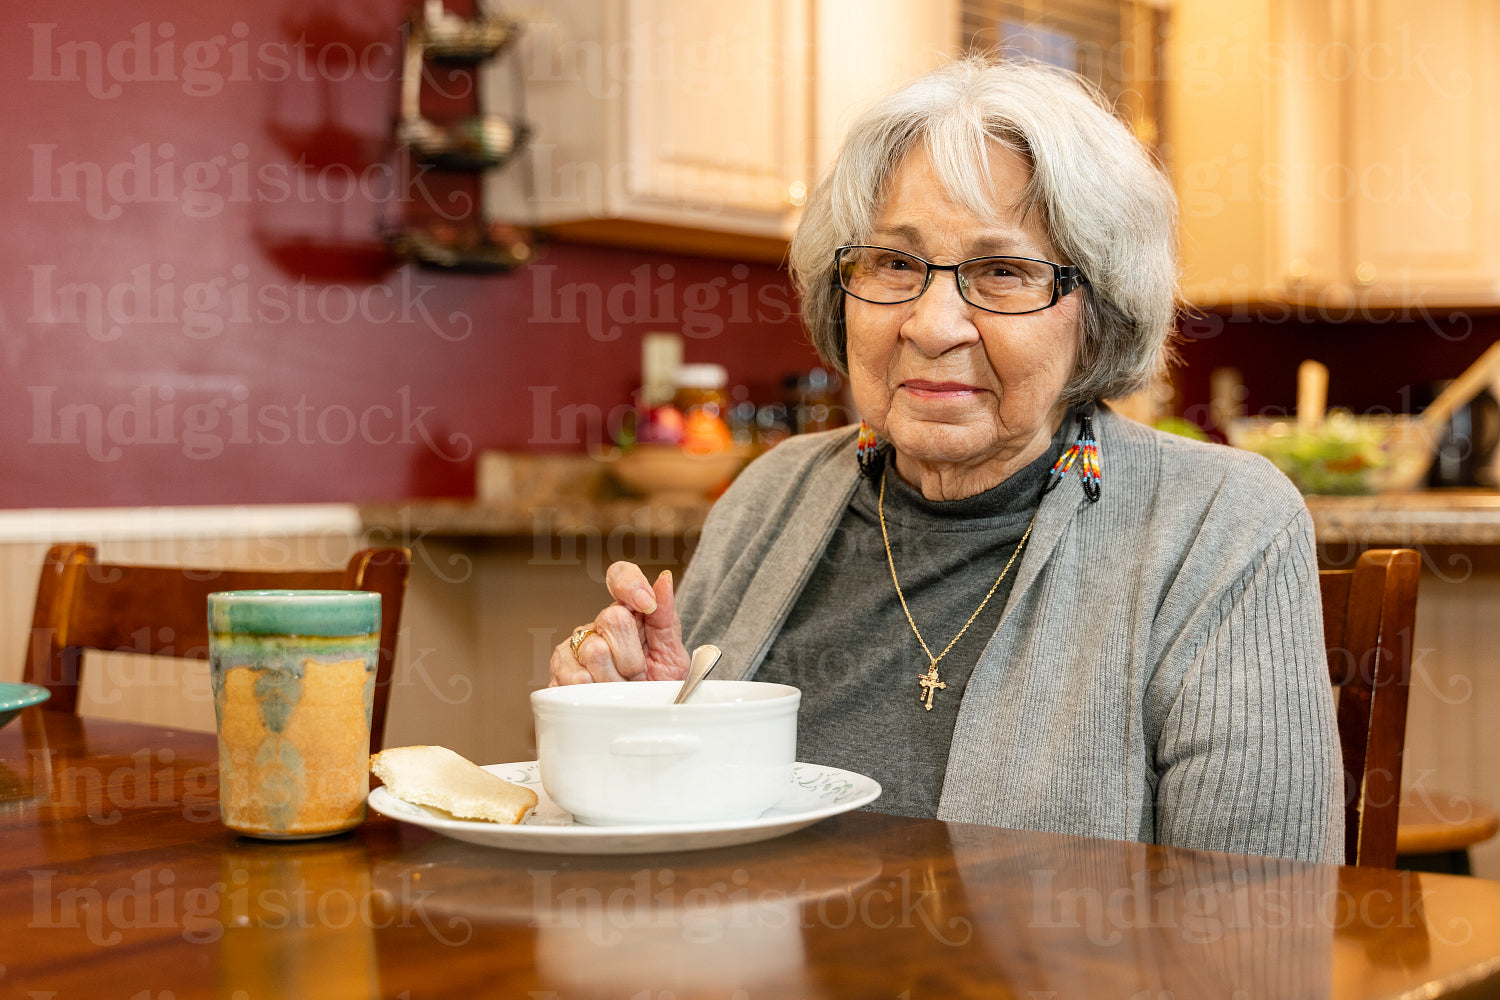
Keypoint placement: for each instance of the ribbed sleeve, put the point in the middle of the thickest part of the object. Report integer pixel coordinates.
(1248, 753)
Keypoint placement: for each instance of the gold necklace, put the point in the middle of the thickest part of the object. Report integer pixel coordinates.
(929, 681)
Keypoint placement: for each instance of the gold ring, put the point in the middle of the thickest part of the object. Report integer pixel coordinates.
(576, 639)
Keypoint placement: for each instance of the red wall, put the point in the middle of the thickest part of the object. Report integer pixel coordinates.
(194, 305)
(1378, 359)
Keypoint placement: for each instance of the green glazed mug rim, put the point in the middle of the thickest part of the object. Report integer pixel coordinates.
(294, 612)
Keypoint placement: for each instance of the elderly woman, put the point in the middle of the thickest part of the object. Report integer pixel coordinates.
(1001, 600)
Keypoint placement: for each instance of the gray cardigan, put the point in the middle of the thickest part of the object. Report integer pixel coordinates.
(1158, 673)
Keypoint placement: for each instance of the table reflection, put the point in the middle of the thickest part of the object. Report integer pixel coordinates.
(685, 923)
(20, 791)
(299, 922)
(1159, 922)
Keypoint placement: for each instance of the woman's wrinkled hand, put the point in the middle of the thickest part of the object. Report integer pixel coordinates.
(637, 638)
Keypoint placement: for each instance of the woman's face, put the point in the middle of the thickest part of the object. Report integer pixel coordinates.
(966, 396)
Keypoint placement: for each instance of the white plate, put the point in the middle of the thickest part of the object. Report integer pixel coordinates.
(816, 793)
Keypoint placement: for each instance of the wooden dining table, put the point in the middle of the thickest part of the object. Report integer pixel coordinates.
(118, 880)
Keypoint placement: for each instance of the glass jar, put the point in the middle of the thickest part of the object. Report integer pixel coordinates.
(703, 401)
(813, 401)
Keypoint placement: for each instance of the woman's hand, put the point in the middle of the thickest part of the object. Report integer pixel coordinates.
(637, 638)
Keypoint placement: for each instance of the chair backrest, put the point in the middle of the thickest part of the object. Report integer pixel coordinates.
(1368, 618)
(82, 604)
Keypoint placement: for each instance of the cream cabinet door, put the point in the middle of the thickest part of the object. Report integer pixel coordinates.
(865, 50)
(655, 117)
(1425, 119)
(671, 123)
(1254, 135)
(722, 127)
(1337, 153)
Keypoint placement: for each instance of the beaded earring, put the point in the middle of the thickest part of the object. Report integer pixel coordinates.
(867, 450)
(1087, 448)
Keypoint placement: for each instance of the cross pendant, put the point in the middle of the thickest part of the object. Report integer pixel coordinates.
(929, 683)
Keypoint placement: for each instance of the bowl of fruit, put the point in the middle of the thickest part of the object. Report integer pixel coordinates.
(679, 456)
(667, 471)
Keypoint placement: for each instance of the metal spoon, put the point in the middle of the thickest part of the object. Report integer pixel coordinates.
(705, 658)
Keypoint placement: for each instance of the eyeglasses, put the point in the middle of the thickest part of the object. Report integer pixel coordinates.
(1008, 285)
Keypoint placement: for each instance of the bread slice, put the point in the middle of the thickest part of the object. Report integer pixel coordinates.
(442, 779)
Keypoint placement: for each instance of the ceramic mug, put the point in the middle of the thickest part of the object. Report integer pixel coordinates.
(620, 754)
(293, 675)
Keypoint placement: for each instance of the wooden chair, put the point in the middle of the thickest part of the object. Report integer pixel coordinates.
(82, 603)
(1368, 617)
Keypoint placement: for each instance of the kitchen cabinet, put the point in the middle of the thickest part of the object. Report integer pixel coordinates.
(1337, 153)
(1425, 138)
(865, 49)
(694, 126)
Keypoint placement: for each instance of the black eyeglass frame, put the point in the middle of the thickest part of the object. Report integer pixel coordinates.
(1066, 278)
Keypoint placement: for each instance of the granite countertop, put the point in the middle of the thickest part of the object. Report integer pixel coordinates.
(564, 517)
(538, 496)
(1425, 517)
(525, 496)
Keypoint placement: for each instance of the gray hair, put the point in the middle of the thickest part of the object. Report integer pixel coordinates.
(1107, 208)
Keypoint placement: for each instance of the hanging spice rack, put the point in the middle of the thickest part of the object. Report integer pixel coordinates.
(461, 144)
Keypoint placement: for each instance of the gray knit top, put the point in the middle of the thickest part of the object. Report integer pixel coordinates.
(1157, 673)
(862, 706)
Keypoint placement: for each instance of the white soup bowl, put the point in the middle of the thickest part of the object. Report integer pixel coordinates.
(623, 754)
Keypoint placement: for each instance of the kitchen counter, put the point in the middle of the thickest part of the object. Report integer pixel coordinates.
(562, 517)
(1431, 517)
(539, 496)
(1427, 517)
